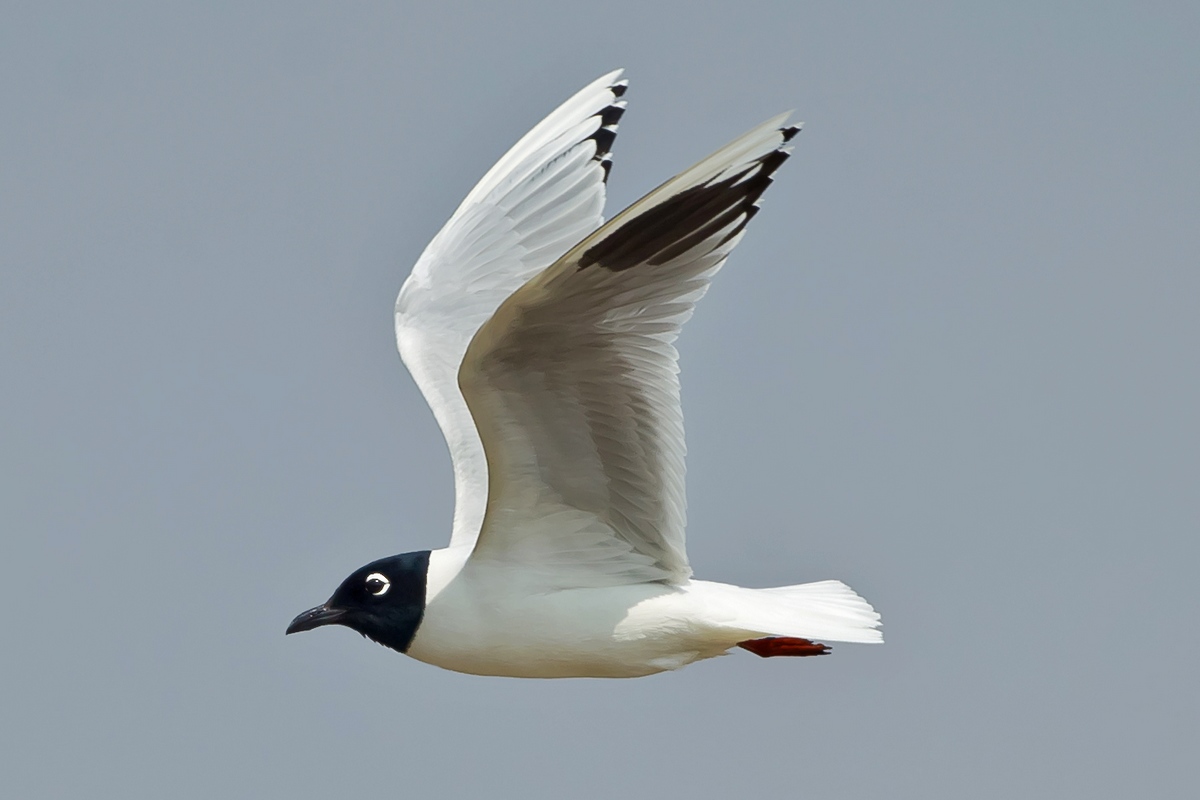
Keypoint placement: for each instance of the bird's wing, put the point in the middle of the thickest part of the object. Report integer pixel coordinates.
(542, 197)
(573, 382)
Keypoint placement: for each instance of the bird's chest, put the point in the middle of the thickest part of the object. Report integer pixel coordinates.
(617, 632)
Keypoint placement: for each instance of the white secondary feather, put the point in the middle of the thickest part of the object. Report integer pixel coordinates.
(573, 382)
(542, 197)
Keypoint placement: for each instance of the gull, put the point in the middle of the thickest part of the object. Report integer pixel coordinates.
(543, 339)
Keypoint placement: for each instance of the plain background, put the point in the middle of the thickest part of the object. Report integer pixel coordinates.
(953, 364)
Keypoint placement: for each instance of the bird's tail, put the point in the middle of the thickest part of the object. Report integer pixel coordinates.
(825, 610)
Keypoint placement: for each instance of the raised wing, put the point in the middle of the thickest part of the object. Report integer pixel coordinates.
(573, 382)
(542, 197)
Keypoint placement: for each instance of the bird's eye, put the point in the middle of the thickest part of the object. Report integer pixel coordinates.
(377, 584)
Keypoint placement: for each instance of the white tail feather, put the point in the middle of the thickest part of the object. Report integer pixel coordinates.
(825, 610)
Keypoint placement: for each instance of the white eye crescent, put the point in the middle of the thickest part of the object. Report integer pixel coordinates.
(378, 584)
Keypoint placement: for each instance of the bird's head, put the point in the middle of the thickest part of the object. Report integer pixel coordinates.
(383, 601)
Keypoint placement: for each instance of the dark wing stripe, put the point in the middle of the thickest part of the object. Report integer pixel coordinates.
(642, 237)
(684, 221)
(711, 229)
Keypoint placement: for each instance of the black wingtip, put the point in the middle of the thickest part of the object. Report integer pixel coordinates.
(604, 138)
(790, 132)
(611, 115)
(606, 134)
(772, 161)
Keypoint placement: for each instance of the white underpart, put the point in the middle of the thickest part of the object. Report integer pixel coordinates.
(489, 620)
(545, 346)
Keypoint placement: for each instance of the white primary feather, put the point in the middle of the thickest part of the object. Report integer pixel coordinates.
(543, 196)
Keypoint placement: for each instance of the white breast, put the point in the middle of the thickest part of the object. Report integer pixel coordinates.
(483, 622)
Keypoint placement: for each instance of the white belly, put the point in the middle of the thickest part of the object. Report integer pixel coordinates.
(486, 626)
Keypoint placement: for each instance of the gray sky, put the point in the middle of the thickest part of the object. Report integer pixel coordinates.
(953, 363)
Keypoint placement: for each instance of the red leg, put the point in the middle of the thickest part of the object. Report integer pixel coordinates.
(783, 646)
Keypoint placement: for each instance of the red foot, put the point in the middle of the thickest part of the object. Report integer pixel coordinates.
(783, 646)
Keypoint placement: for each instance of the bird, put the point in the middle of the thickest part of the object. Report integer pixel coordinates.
(543, 339)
